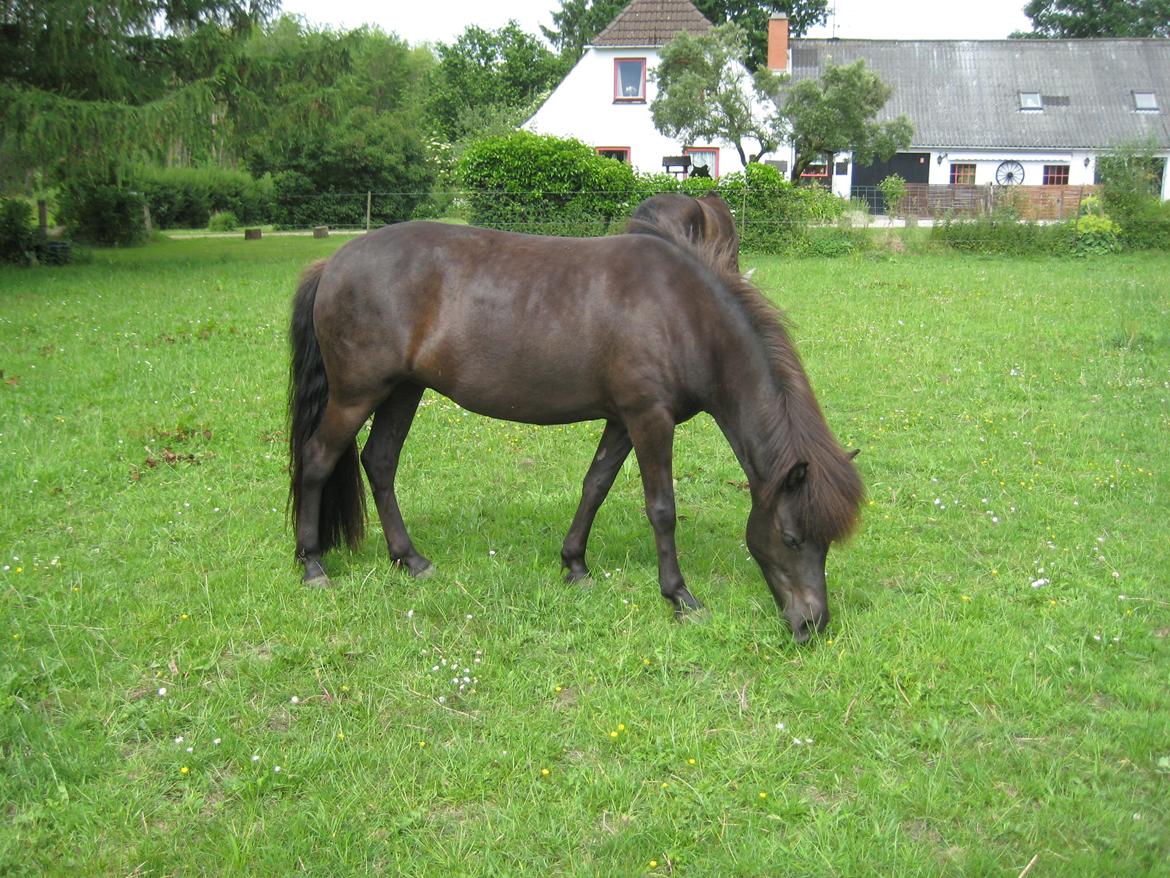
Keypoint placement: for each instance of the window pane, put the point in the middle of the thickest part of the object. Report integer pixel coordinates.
(1056, 175)
(1145, 100)
(1030, 100)
(630, 78)
(962, 174)
(702, 159)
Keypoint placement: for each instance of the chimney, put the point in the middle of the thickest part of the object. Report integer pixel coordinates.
(778, 42)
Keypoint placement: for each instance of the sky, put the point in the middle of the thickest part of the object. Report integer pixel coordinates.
(444, 20)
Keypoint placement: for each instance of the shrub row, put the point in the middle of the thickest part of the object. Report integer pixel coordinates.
(537, 183)
(188, 197)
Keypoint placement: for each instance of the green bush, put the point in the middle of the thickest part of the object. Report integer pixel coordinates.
(18, 238)
(832, 242)
(773, 215)
(894, 191)
(103, 213)
(186, 198)
(1002, 232)
(545, 185)
(1094, 235)
(1131, 179)
(224, 221)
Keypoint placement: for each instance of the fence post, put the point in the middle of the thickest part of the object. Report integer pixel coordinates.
(369, 202)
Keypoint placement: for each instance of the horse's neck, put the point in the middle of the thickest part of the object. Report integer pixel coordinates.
(749, 414)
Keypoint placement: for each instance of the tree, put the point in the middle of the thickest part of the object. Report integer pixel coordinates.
(837, 114)
(327, 113)
(578, 22)
(1072, 19)
(705, 93)
(504, 68)
(753, 15)
(88, 86)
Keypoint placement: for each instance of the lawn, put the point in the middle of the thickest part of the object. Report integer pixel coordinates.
(992, 696)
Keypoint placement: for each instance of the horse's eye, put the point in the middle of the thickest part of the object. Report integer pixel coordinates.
(791, 540)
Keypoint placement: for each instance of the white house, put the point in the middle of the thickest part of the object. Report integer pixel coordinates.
(605, 99)
(1005, 112)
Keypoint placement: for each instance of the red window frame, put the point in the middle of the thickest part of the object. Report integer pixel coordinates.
(609, 150)
(1056, 175)
(713, 150)
(962, 173)
(618, 97)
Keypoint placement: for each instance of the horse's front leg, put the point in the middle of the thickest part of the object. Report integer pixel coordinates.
(653, 437)
(612, 452)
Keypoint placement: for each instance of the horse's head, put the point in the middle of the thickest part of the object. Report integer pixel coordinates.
(791, 547)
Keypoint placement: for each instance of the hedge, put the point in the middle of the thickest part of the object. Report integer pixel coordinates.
(186, 198)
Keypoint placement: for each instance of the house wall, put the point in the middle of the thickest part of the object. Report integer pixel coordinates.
(583, 106)
(986, 162)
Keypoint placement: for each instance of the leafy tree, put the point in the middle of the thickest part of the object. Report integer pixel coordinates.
(1065, 19)
(578, 22)
(705, 93)
(485, 71)
(328, 113)
(753, 15)
(837, 114)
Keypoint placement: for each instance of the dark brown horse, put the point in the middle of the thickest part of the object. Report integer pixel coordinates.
(698, 222)
(632, 330)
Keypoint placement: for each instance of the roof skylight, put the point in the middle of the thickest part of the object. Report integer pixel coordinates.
(1031, 100)
(1145, 100)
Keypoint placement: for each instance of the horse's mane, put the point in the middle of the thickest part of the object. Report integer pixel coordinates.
(679, 218)
(828, 503)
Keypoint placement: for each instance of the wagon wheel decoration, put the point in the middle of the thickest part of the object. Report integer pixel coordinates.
(1009, 173)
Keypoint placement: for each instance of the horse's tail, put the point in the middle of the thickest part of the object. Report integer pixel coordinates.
(343, 502)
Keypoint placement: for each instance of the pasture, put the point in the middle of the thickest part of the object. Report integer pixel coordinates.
(992, 695)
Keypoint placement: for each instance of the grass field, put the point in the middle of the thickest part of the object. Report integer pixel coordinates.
(993, 694)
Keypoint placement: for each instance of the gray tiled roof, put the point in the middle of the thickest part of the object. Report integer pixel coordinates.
(653, 23)
(965, 93)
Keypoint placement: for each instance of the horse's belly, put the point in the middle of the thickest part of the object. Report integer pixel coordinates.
(511, 398)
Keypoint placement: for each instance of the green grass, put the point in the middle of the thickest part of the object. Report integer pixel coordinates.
(984, 695)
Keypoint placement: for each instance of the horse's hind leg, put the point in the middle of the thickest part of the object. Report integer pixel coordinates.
(611, 454)
(342, 509)
(380, 457)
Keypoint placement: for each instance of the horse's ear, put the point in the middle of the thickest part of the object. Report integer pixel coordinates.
(852, 454)
(796, 477)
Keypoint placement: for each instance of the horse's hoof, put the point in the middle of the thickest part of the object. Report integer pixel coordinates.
(321, 581)
(693, 615)
(578, 576)
(423, 572)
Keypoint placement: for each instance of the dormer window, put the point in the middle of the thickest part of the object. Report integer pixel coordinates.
(629, 80)
(1145, 102)
(1030, 101)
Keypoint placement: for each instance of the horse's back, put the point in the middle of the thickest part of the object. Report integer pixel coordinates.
(514, 326)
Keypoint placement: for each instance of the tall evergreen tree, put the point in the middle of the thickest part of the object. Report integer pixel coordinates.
(87, 86)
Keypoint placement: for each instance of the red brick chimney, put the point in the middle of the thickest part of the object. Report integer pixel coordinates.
(778, 42)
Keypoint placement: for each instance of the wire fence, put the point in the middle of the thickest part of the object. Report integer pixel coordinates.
(597, 211)
(1013, 219)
